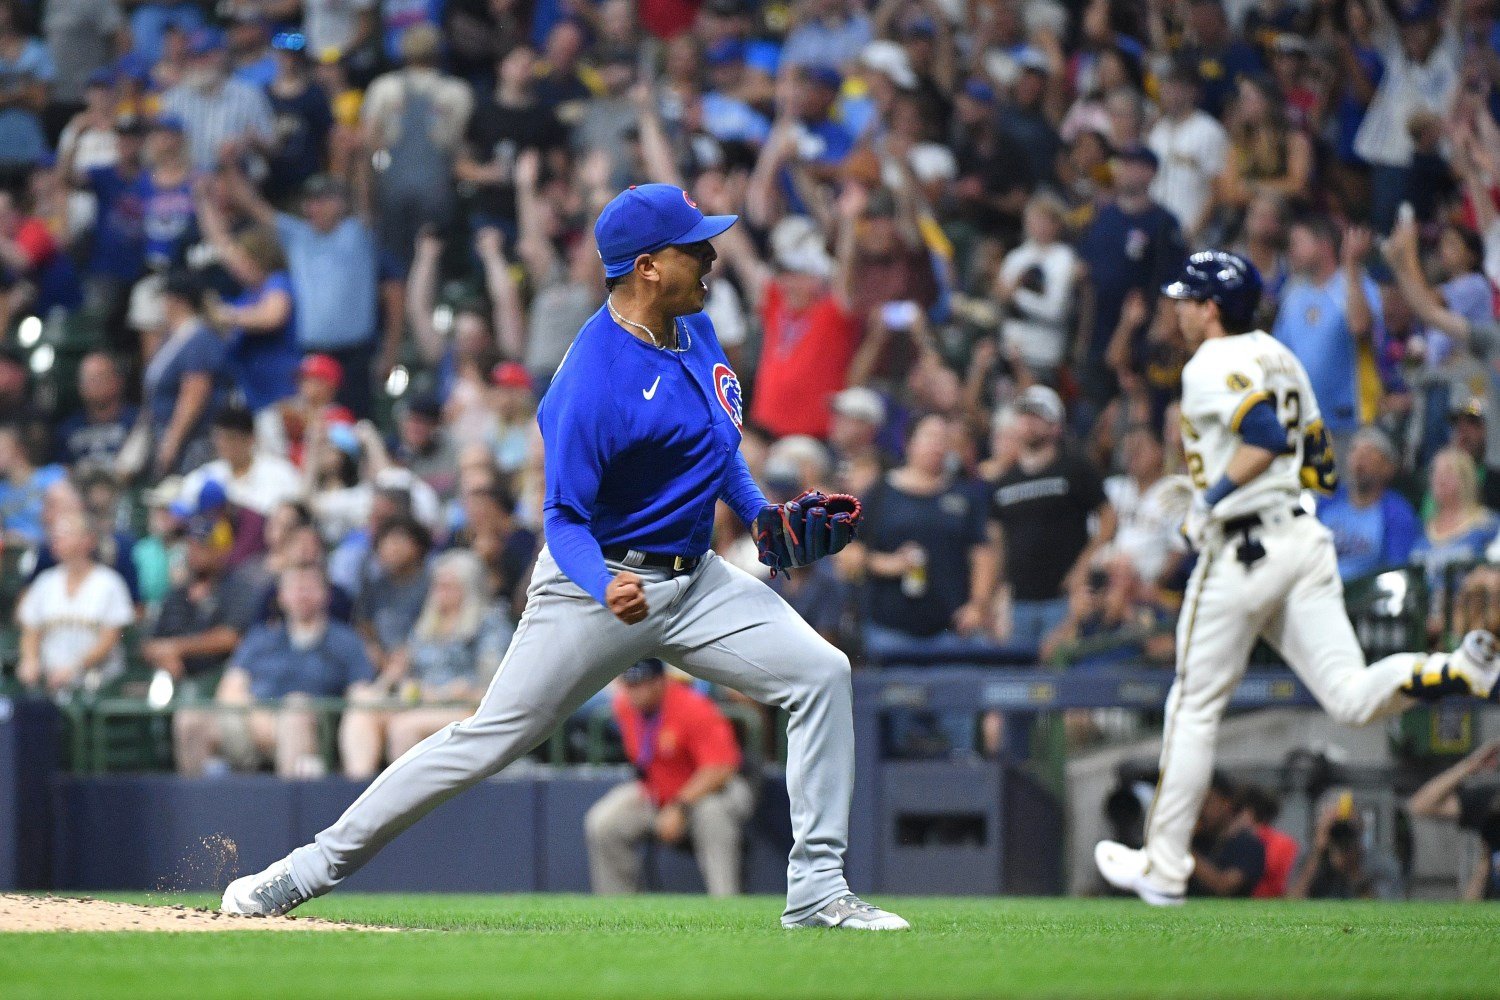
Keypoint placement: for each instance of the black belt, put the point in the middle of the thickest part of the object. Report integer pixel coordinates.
(1249, 522)
(652, 560)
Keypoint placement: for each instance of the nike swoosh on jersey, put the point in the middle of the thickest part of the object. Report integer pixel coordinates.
(651, 392)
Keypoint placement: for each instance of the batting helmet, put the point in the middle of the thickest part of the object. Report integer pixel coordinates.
(1224, 278)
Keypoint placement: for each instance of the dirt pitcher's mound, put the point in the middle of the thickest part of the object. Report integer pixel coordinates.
(54, 913)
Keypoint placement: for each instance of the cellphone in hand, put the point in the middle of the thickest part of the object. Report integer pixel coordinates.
(899, 315)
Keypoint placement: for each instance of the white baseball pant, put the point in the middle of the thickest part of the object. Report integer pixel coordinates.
(1293, 598)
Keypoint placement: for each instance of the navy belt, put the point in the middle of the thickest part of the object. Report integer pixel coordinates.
(652, 560)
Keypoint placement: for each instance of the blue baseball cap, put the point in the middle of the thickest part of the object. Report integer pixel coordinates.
(643, 670)
(209, 503)
(729, 50)
(205, 40)
(646, 218)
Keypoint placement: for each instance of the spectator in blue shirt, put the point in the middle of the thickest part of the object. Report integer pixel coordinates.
(276, 668)
(1374, 527)
(821, 141)
(1460, 528)
(1220, 58)
(304, 117)
(831, 33)
(166, 195)
(97, 431)
(26, 70)
(118, 255)
(1330, 318)
(23, 487)
(333, 265)
(225, 117)
(1133, 245)
(184, 380)
(726, 115)
(1026, 120)
(262, 353)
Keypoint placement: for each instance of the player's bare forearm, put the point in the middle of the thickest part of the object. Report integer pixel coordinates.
(1438, 797)
(705, 781)
(1247, 462)
(108, 639)
(1478, 879)
(1108, 522)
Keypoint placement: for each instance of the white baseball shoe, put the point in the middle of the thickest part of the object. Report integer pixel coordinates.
(851, 913)
(1471, 669)
(270, 893)
(1125, 868)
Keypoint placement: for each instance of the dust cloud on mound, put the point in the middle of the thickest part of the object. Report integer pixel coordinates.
(55, 913)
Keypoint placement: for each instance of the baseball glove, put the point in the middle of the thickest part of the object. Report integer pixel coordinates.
(802, 531)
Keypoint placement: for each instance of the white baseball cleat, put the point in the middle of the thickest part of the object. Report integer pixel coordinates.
(1125, 868)
(270, 893)
(1471, 669)
(1475, 662)
(851, 913)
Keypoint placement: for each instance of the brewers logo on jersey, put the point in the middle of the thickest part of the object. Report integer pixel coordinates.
(1224, 379)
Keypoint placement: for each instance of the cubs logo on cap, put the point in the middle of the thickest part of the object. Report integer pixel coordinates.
(727, 388)
(647, 218)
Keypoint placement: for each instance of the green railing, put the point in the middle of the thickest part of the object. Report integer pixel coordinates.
(117, 730)
(113, 734)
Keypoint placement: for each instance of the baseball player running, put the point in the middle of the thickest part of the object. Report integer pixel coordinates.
(1254, 439)
(641, 427)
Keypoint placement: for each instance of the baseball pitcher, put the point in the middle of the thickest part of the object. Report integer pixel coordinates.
(641, 427)
(1254, 441)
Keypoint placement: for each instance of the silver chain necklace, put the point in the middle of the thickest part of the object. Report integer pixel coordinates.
(684, 339)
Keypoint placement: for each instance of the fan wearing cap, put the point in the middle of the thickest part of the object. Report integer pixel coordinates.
(318, 379)
(641, 432)
(89, 140)
(1423, 54)
(203, 619)
(1043, 506)
(512, 401)
(1374, 527)
(688, 785)
(155, 207)
(117, 257)
(810, 333)
(1132, 245)
(220, 114)
(304, 116)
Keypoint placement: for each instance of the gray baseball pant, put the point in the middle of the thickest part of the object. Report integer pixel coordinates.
(718, 623)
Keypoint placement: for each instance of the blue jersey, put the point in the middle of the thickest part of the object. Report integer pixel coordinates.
(1313, 323)
(640, 444)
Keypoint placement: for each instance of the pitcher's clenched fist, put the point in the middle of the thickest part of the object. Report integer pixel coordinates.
(626, 598)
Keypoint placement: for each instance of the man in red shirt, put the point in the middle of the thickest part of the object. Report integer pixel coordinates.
(687, 759)
(810, 333)
(1282, 849)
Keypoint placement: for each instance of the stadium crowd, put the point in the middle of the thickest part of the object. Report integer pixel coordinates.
(283, 281)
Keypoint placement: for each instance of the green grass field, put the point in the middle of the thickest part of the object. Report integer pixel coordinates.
(659, 947)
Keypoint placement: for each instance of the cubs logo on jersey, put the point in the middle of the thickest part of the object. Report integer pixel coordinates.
(727, 388)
